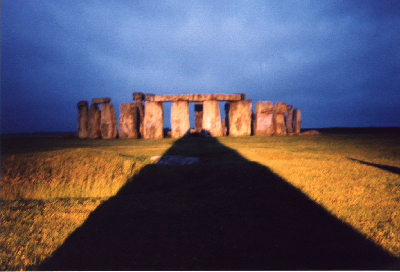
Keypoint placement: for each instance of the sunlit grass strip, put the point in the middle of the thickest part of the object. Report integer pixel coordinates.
(32, 230)
(74, 173)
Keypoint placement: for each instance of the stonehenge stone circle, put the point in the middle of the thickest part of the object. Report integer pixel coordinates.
(180, 124)
(264, 119)
(128, 121)
(240, 118)
(280, 109)
(296, 121)
(153, 120)
(212, 118)
(289, 119)
(94, 122)
(144, 118)
(108, 124)
(83, 116)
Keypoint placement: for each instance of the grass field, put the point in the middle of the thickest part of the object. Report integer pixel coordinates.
(49, 186)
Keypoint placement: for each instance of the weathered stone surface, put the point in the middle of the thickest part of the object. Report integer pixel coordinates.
(212, 118)
(138, 101)
(224, 128)
(83, 116)
(280, 109)
(198, 117)
(128, 121)
(264, 119)
(108, 123)
(240, 118)
(153, 120)
(101, 100)
(296, 121)
(289, 119)
(138, 96)
(94, 122)
(180, 124)
(194, 97)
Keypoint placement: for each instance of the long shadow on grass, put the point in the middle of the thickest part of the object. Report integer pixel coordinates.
(392, 169)
(225, 213)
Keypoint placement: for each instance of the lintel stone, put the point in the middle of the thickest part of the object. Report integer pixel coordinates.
(194, 97)
(101, 100)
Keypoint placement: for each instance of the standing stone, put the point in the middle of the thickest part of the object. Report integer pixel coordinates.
(227, 106)
(289, 119)
(198, 117)
(224, 128)
(108, 123)
(94, 122)
(240, 118)
(128, 121)
(138, 101)
(279, 118)
(264, 119)
(83, 112)
(296, 121)
(180, 124)
(153, 120)
(212, 118)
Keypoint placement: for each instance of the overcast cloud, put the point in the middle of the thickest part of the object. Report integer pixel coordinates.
(338, 61)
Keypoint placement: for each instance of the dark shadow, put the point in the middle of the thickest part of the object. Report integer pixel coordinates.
(225, 213)
(393, 169)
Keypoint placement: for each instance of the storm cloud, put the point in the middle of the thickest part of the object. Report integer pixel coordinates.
(338, 61)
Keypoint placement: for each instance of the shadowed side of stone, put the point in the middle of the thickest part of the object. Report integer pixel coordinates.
(94, 122)
(128, 121)
(83, 117)
(108, 123)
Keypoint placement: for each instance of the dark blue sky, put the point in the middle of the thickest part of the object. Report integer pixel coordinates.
(338, 61)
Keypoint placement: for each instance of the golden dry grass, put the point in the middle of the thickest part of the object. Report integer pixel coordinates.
(363, 196)
(49, 187)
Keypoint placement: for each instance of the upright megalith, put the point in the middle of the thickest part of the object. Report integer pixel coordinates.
(180, 124)
(108, 123)
(280, 109)
(240, 118)
(153, 120)
(289, 119)
(83, 112)
(128, 121)
(94, 122)
(225, 129)
(212, 118)
(296, 121)
(264, 119)
(198, 116)
(138, 102)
